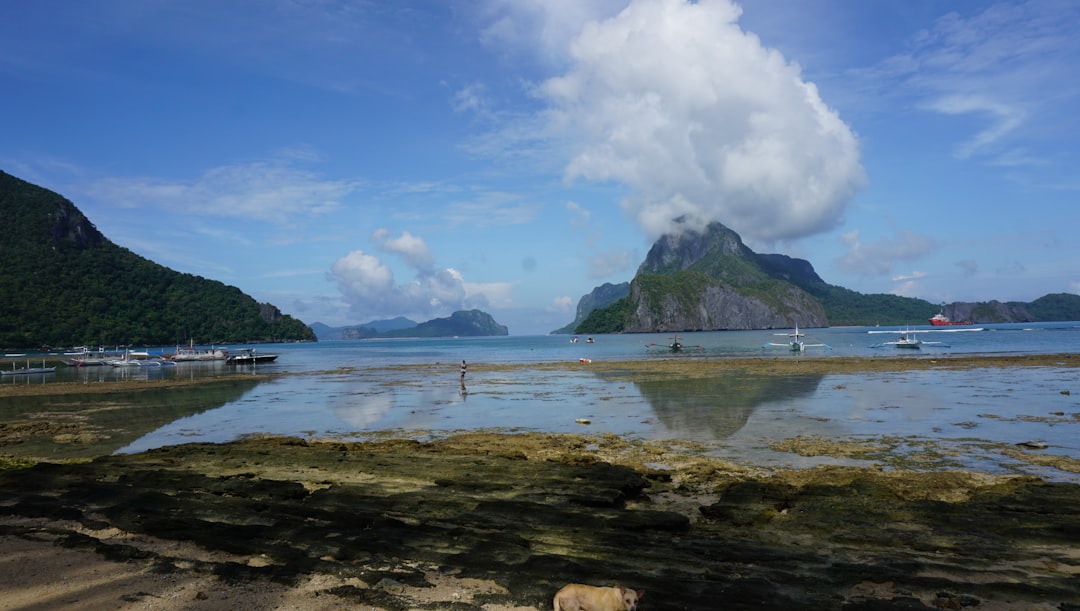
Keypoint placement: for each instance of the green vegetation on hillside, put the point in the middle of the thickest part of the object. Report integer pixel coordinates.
(685, 287)
(847, 308)
(610, 319)
(1056, 306)
(64, 284)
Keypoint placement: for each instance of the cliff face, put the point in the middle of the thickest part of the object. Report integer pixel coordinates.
(722, 307)
(600, 297)
(709, 280)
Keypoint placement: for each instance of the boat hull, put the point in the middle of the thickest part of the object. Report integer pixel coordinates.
(240, 360)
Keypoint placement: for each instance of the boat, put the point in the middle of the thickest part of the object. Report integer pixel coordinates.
(28, 370)
(248, 356)
(796, 343)
(941, 320)
(192, 353)
(675, 345)
(123, 361)
(154, 362)
(87, 358)
(907, 340)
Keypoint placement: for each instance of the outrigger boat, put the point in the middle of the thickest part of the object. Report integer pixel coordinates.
(796, 343)
(909, 340)
(675, 345)
(28, 370)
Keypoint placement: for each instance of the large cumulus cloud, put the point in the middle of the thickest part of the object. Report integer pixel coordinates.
(702, 120)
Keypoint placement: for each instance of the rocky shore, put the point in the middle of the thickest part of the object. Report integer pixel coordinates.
(501, 521)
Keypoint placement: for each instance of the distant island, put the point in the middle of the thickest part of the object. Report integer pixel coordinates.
(463, 323)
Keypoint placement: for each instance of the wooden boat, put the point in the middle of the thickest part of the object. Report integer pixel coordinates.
(192, 353)
(87, 358)
(28, 370)
(248, 356)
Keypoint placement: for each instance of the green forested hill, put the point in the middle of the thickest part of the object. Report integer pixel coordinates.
(62, 283)
(718, 253)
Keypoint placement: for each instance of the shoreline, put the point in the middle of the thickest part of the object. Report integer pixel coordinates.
(764, 365)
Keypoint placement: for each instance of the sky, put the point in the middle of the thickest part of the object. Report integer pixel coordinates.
(350, 161)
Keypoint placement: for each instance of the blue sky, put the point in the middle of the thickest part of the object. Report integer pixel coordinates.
(349, 161)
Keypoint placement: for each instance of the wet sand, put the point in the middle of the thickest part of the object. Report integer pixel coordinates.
(497, 521)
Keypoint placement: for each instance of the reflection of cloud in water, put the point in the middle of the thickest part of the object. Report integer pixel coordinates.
(388, 405)
(363, 410)
(719, 406)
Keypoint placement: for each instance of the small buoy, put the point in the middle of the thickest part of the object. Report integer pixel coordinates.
(1033, 445)
(583, 421)
(584, 360)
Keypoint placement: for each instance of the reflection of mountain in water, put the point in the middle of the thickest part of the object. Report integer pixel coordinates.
(719, 406)
(117, 419)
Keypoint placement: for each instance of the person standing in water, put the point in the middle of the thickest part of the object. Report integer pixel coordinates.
(463, 367)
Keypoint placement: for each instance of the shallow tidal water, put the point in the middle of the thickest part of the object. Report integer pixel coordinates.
(357, 390)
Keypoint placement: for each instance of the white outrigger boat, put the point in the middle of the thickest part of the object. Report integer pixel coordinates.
(28, 370)
(796, 343)
(908, 339)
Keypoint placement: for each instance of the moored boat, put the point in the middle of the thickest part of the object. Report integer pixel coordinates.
(248, 356)
(192, 353)
(28, 370)
(941, 320)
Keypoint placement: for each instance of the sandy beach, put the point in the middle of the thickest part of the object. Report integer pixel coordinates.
(498, 521)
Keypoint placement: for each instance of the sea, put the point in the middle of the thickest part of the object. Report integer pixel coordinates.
(357, 390)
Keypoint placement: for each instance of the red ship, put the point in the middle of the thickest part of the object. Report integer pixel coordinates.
(940, 320)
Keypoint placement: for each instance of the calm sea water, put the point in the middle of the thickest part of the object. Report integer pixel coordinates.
(351, 390)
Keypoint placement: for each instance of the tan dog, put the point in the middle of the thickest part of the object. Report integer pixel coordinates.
(578, 597)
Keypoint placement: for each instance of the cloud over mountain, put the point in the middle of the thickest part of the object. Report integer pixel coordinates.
(701, 120)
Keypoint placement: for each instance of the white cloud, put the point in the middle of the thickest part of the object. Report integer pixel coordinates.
(483, 294)
(273, 192)
(908, 285)
(1003, 119)
(673, 99)
(1010, 64)
(370, 289)
(541, 27)
(878, 258)
(562, 303)
(579, 215)
(413, 249)
(363, 278)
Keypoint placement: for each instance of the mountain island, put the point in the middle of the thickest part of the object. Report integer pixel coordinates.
(64, 283)
(708, 280)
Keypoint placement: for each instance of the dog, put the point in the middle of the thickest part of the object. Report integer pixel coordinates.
(579, 597)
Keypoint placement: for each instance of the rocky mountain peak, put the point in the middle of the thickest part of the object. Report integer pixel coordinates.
(678, 251)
